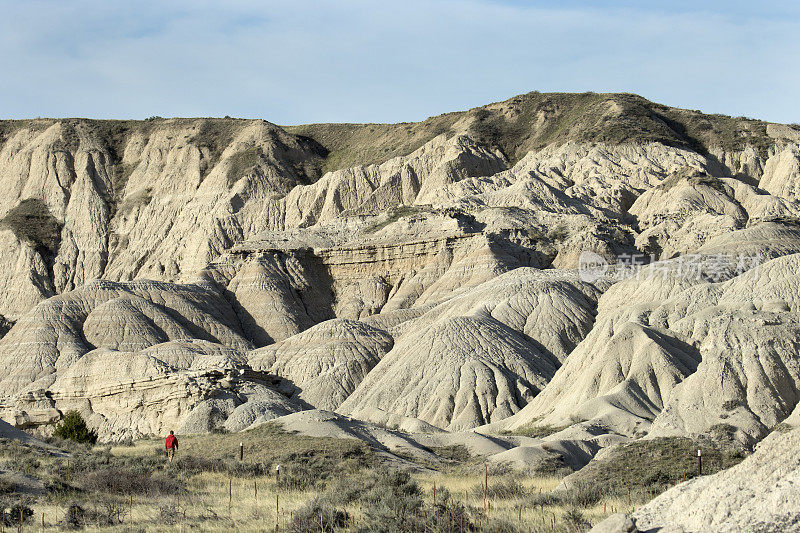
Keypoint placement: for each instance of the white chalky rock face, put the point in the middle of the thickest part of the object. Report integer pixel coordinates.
(460, 373)
(62, 329)
(685, 354)
(747, 335)
(164, 387)
(553, 308)
(620, 375)
(435, 289)
(403, 180)
(682, 213)
(160, 212)
(781, 175)
(324, 364)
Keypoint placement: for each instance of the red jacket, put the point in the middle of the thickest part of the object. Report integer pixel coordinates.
(171, 442)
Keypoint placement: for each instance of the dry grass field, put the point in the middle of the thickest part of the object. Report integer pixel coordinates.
(325, 484)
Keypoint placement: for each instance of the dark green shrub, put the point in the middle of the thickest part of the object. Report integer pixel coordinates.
(724, 433)
(5, 325)
(74, 428)
(169, 514)
(535, 430)
(104, 512)
(544, 499)
(575, 518)
(554, 466)
(456, 453)
(28, 465)
(299, 476)
(75, 516)
(559, 233)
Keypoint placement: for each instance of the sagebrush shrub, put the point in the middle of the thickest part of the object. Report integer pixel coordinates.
(503, 489)
(318, 515)
(7, 485)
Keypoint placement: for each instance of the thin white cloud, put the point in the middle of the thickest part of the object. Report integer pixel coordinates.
(359, 60)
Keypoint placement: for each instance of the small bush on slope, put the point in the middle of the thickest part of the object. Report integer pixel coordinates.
(120, 480)
(13, 511)
(74, 428)
(318, 515)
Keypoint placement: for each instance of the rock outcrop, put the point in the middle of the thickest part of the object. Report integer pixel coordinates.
(324, 364)
(461, 373)
(212, 274)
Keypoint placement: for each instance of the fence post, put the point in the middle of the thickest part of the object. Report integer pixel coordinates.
(230, 492)
(241, 451)
(630, 504)
(435, 509)
(255, 489)
(485, 484)
(277, 510)
(699, 462)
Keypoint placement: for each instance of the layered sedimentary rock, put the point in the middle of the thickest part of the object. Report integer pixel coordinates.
(213, 274)
(134, 315)
(135, 200)
(188, 386)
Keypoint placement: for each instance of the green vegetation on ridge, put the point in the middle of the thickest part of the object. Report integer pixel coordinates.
(515, 126)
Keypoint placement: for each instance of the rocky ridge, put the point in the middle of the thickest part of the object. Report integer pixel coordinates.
(208, 274)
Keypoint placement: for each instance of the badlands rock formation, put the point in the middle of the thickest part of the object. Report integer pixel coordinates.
(325, 363)
(212, 274)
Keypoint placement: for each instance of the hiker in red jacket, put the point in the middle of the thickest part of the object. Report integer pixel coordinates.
(171, 445)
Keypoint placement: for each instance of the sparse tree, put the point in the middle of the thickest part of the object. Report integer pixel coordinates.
(74, 427)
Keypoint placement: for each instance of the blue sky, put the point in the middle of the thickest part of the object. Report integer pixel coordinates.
(367, 61)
